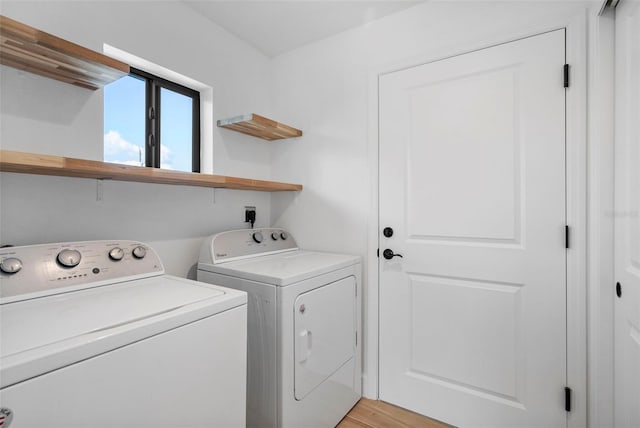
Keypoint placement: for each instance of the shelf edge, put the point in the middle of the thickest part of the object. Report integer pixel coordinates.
(41, 164)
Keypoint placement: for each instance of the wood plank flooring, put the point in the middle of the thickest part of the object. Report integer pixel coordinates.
(378, 414)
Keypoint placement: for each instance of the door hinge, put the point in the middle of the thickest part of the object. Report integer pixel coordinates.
(566, 75)
(567, 399)
(566, 236)
(356, 338)
(378, 253)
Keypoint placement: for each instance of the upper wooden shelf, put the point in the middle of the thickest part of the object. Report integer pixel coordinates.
(35, 51)
(31, 163)
(259, 126)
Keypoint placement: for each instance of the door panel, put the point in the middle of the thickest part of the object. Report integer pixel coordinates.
(457, 123)
(459, 304)
(627, 219)
(472, 179)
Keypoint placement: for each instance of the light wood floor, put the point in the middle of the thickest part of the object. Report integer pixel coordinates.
(378, 414)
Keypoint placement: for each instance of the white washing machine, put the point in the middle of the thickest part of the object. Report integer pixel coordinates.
(304, 358)
(95, 334)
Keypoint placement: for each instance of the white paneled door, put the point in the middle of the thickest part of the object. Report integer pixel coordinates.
(472, 182)
(627, 218)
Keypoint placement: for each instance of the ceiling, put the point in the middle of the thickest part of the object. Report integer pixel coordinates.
(275, 27)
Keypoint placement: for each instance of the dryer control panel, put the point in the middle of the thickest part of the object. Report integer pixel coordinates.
(32, 271)
(244, 243)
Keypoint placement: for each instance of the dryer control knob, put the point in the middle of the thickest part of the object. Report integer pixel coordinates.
(11, 265)
(139, 252)
(257, 237)
(275, 236)
(284, 235)
(116, 254)
(69, 258)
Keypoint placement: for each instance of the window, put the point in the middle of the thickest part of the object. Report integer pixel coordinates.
(150, 121)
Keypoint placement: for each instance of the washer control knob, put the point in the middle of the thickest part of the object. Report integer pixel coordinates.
(116, 254)
(139, 252)
(284, 235)
(69, 258)
(11, 265)
(275, 236)
(257, 237)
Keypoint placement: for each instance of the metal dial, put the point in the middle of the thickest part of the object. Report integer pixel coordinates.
(139, 252)
(284, 235)
(11, 265)
(116, 254)
(257, 237)
(275, 236)
(69, 258)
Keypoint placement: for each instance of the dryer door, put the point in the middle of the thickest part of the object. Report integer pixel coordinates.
(325, 329)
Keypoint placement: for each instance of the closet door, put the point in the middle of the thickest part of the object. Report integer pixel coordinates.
(627, 216)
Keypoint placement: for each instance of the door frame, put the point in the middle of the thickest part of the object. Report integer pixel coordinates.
(576, 203)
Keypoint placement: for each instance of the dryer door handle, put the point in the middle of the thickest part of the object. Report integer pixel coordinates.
(305, 342)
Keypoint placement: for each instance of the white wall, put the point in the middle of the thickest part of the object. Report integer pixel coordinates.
(329, 90)
(46, 116)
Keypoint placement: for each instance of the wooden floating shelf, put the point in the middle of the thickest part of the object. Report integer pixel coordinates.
(31, 163)
(29, 49)
(259, 126)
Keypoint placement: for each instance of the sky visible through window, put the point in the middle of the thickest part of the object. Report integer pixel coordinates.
(124, 125)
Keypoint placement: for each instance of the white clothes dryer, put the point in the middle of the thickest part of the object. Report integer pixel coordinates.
(304, 358)
(95, 334)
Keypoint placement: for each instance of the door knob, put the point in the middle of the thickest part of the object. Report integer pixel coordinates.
(388, 232)
(389, 254)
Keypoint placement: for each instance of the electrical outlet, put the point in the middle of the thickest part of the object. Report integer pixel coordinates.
(250, 215)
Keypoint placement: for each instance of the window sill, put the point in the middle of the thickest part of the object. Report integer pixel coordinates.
(31, 163)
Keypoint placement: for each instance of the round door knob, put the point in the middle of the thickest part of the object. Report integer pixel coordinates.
(257, 237)
(69, 258)
(387, 232)
(139, 252)
(275, 236)
(116, 254)
(389, 254)
(11, 265)
(284, 235)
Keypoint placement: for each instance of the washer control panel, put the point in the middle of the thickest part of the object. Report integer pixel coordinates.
(239, 244)
(40, 270)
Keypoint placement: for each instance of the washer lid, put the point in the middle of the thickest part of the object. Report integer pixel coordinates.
(42, 334)
(283, 269)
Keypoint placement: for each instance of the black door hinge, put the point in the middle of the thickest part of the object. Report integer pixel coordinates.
(566, 75)
(378, 253)
(566, 236)
(567, 399)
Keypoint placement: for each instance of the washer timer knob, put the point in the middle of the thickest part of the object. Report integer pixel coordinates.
(11, 265)
(116, 254)
(139, 252)
(69, 258)
(275, 236)
(284, 235)
(257, 237)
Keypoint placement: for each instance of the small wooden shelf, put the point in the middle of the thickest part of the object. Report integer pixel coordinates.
(27, 48)
(31, 163)
(259, 126)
